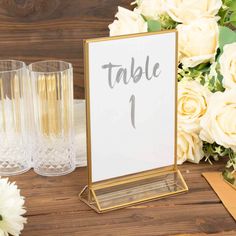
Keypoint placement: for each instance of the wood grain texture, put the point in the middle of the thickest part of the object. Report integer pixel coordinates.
(53, 209)
(33, 30)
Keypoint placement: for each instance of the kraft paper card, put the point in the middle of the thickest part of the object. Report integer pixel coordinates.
(225, 192)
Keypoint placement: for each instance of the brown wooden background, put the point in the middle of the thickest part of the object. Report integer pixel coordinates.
(32, 30)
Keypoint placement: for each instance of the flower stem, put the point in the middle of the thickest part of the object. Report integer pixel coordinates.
(1, 218)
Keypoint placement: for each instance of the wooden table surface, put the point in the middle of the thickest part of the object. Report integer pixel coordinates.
(53, 209)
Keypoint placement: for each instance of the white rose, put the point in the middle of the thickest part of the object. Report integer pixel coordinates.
(185, 11)
(189, 147)
(219, 122)
(128, 22)
(151, 9)
(192, 104)
(228, 66)
(198, 42)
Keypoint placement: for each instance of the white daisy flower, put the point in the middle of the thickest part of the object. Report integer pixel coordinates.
(11, 209)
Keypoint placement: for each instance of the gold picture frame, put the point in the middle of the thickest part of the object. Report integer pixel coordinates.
(128, 190)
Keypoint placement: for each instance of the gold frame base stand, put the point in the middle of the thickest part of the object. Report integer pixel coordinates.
(133, 189)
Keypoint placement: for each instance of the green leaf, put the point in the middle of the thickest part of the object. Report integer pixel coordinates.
(167, 22)
(227, 2)
(144, 17)
(229, 177)
(233, 23)
(204, 67)
(226, 36)
(222, 14)
(153, 25)
(232, 5)
(233, 17)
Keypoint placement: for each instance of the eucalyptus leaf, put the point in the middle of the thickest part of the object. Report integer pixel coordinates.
(226, 36)
(153, 25)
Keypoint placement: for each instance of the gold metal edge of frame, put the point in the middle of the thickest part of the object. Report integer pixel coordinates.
(126, 36)
(88, 127)
(176, 96)
(183, 181)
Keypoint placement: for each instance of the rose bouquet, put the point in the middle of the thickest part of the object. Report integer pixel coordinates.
(11, 209)
(206, 70)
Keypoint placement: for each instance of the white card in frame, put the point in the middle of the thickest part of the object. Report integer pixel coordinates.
(131, 91)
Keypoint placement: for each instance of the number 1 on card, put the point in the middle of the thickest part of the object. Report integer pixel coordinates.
(132, 101)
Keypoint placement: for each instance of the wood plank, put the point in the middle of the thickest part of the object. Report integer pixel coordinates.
(41, 30)
(53, 208)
